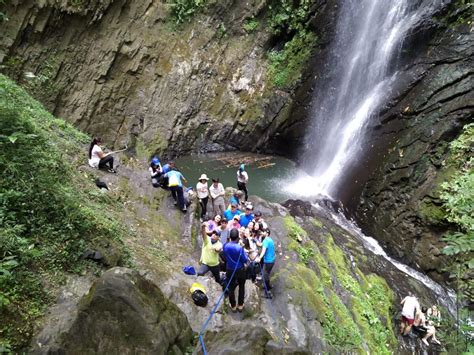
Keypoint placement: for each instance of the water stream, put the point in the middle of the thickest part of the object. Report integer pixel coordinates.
(369, 37)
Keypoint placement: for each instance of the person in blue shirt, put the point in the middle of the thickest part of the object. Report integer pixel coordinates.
(247, 217)
(175, 184)
(229, 214)
(236, 197)
(236, 259)
(268, 256)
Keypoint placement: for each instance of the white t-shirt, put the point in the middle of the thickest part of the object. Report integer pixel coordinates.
(95, 158)
(409, 307)
(244, 178)
(202, 190)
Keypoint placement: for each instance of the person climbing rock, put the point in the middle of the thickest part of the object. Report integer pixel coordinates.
(98, 159)
(211, 247)
(268, 256)
(434, 315)
(155, 171)
(175, 184)
(217, 193)
(236, 260)
(242, 180)
(410, 307)
(203, 194)
(164, 170)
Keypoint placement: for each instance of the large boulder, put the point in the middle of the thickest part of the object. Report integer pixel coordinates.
(123, 313)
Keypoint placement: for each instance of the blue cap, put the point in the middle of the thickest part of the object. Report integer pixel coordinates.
(155, 161)
(242, 167)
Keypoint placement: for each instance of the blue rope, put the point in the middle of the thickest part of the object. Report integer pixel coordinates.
(214, 309)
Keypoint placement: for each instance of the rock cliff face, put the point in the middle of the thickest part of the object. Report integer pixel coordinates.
(400, 201)
(120, 69)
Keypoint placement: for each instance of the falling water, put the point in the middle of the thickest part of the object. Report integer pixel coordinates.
(369, 37)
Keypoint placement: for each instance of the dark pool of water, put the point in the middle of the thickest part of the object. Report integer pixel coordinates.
(267, 174)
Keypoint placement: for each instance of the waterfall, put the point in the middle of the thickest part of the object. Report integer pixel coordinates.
(368, 39)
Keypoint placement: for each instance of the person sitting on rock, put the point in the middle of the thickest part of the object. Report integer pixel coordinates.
(217, 193)
(235, 270)
(424, 328)
(233, 211)
(211, 247)
(98, 159)
(410, 307)
(155, 171)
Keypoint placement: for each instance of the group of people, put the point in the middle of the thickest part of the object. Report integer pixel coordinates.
(419, 321)
(236, 241)
(239, 244)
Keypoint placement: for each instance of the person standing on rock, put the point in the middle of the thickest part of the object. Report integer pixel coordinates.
(242, 180)
(203, 194)
(98, 159)
(236, 261)
(268, 256)
(410, 307)
(175, 184)
(211, 247)
(217, 193)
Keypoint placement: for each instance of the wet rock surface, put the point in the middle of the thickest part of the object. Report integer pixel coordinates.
(400, 201)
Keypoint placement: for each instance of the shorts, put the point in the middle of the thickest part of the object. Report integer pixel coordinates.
(407, 320)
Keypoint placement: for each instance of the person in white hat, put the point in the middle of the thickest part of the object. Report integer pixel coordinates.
(203, 194)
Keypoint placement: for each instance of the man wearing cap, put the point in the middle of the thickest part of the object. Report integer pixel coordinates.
(211, 247)
(236, 259)
(247, 217)
(233, 211)
(217, 193)
(203, 194)
(258, 219)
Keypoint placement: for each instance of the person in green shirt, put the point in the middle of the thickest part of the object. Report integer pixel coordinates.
(211, 247)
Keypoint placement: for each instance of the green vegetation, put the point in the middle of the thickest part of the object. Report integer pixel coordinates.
(183, 10)
(286, 64)
(49, 212)
(458, 204)
(250, 25)
(363, 320)
(289, 20)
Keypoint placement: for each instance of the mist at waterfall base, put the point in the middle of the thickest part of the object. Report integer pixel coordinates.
(362, 65)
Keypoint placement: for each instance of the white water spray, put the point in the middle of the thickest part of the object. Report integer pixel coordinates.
(369, 37)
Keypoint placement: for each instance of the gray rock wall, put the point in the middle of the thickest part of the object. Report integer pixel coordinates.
(121, 70)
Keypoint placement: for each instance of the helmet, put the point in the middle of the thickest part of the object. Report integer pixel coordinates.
(200, 299)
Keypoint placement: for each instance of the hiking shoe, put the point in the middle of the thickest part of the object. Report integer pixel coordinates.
(113, 171)
(436, 341)
(240, 308)
(175, 203)
(425, 342)
(233, 309)
(184, 210)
